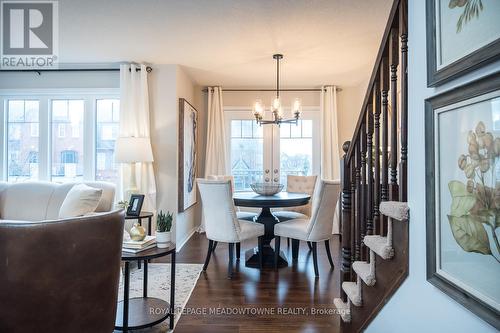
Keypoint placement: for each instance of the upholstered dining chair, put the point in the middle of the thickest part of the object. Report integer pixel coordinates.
(315, 229)
(222, 223)
(298, 184)
(249, 216)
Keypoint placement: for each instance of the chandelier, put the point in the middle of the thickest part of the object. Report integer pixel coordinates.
(276, 105)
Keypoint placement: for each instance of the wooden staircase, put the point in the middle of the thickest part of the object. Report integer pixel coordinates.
(374, 185)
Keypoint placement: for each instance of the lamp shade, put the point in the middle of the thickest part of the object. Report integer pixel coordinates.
(133, 149)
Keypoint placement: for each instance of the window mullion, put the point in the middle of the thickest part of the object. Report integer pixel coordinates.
(89, 138)
(44, 139)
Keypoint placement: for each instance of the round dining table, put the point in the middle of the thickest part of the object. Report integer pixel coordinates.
(266, 217)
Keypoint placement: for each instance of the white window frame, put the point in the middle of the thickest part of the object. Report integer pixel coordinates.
(45, 97)
(271, 134)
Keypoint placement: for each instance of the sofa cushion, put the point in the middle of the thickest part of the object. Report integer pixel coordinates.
(80, 200)
(26, 201)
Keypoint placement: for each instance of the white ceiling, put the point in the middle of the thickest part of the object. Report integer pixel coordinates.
(230, 42)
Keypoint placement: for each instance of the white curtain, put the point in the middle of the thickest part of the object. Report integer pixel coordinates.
(215, 163)
(330, 157)
(134, 121)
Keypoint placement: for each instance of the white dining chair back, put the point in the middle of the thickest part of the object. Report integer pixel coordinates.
(323, 210)
(221, 223)
(301, 184)
(223, 177)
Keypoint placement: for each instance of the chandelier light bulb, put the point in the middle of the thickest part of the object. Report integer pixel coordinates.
(276, 104)
(280, 112)
(296, 107)
(258, 109)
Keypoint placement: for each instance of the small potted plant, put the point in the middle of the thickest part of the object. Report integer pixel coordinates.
(163, 226)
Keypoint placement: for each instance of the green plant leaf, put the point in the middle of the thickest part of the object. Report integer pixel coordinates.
(462, 201)
(470, 234)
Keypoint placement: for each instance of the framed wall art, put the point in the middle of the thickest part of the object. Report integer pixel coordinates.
(462, 35)
(188, 123)
(462, 129)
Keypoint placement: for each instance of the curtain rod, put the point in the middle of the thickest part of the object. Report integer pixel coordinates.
(291, 89)
(39, 71)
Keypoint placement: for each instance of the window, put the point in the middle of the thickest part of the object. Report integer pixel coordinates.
(296, 149)
(67, 151)
(246, 153)
(22, 118)
(107, 132)
(61, 130)
(34, 130)
(58, 136)
(75, 130)
(269, 153)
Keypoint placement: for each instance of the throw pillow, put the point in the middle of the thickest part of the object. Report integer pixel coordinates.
(80, 200)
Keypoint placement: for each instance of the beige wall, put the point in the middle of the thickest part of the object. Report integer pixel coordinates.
(168, 83)
(349, 106)
(188, 221)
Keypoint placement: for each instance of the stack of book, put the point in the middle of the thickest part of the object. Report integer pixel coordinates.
(132, 246)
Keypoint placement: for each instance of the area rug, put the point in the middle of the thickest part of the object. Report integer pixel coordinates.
(186, 276)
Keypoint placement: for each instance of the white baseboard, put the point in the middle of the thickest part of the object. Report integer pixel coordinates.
(179, 246)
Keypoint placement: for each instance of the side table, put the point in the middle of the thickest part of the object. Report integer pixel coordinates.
(143, 312)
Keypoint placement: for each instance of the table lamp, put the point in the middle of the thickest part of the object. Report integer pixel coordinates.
(133, 150)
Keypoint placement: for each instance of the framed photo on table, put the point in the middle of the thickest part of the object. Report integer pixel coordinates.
(462, 35)
(188, 140)
(462, 130)
(135, 204)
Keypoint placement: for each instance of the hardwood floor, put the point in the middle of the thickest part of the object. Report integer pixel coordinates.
(288, 300)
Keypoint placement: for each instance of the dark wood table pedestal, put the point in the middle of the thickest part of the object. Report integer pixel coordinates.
(252, 256)
(266, 217)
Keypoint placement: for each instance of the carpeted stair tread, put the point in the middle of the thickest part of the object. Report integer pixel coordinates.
(394, 209)
(378, 244)
(364, 271)
(352, 291)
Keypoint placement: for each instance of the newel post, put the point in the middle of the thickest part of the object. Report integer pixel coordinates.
(345, 175)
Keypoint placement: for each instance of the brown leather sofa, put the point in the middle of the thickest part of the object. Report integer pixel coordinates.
(60, 276)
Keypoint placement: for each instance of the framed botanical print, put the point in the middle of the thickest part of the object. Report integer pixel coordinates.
(462, 129)
(188, 123)
(462, 35)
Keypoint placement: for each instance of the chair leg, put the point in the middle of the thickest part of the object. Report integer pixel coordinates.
(261, 250)
(277, 240)
(315, 258)
(238, 250)
(211, 247)
(288, 241)
(310, 246)
(215, 245)
(328, 253)
(231, 261)
(295, 249)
